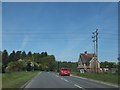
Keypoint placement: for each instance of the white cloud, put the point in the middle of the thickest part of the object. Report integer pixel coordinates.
(25, 41)
(69, 51)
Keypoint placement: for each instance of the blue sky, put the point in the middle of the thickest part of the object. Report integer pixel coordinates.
(62, 29)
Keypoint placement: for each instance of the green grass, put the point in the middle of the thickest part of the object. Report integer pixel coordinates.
(110, 78)
(0, 81)
(16, 79)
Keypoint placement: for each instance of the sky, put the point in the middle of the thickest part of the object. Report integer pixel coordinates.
(0, 25)
(63, 29)
(60, 0)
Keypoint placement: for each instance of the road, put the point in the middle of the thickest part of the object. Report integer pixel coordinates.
(53, 80)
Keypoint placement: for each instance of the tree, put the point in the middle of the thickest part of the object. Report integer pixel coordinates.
(104, 64)
(108, 64)
(5, 57)
(18, 55)
(19, 60)
(36, 66)
(23, 55)
(42, 53)
(29, 67)
(112, 65)
(29, 55)
(52, 65)
(71, 65)
(45, 53)
(16, 65)
(11, 56)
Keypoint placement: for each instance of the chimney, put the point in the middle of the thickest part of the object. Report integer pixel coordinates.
(85, 52)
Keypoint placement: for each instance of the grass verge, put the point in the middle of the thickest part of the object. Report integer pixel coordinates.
(0, 81)
(105, 77)
(17, 79)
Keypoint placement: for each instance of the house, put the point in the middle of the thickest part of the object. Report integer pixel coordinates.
(88, 63)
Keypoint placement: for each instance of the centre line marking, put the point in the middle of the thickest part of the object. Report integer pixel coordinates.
(77, 86)
(57, 76)
(64, 79)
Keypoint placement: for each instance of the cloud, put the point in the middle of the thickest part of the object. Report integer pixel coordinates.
(73, 47)
(25, 41)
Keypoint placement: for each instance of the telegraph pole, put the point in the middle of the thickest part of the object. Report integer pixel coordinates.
(93, 37)
(95, 41)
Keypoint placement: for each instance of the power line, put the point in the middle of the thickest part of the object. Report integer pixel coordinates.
(109, 33)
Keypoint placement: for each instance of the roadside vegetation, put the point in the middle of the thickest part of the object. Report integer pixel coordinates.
(22, 61)
(0, 81)
(105, 77)
(18, 67)
(17, 79)
(71, 65)
(110, 75)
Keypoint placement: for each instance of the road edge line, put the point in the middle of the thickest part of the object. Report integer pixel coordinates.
(102, 82)
(24, 85)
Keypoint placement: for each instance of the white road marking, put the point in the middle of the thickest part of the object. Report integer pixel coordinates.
(79, 77)
(77, 86)
(62, 78)
(56, 75)
(65, 79)
(116, 86)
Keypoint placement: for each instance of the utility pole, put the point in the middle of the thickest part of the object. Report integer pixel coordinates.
(93, 37)
(95, 41)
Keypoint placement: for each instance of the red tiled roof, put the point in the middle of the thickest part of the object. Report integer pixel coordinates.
(85, 58)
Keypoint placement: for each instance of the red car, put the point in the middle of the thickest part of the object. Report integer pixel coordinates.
(64, 72)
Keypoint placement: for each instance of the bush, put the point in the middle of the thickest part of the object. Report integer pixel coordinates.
(15, 66)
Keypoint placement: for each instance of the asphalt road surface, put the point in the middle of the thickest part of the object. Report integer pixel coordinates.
(53, 80)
